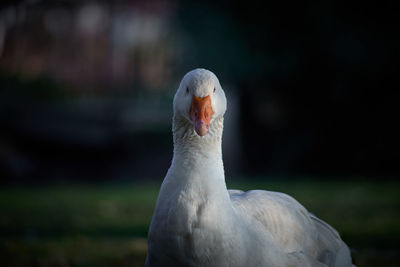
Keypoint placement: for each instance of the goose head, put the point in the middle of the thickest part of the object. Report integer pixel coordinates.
(200, 100)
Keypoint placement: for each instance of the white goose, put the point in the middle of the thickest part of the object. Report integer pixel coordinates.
(198, 222)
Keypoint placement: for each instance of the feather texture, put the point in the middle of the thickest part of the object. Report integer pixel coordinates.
(198, 222)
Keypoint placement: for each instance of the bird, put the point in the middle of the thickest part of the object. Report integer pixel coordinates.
(197, 221)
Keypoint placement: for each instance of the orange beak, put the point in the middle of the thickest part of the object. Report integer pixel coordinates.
(201, 112)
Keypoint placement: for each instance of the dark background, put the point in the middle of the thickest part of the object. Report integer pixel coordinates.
(86, 87)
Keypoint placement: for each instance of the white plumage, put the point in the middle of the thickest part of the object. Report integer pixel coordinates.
(198, 222)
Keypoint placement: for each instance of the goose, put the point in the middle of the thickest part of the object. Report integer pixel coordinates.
(197, 221)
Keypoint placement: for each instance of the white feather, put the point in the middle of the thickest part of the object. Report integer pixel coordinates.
(198, 222)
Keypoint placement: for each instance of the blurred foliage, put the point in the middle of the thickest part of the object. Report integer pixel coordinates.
(106, 225)
(42, 87)
(310, 86)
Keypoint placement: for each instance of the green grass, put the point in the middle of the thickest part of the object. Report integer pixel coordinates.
(106, 225)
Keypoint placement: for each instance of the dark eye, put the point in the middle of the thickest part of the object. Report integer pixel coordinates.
(214, 89)
(187, 89)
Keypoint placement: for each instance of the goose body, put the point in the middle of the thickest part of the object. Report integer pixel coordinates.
(198, 222)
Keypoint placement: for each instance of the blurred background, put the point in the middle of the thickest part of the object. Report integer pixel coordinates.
(86, 91)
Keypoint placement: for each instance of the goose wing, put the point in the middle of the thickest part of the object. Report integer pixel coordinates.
(278, 214)
(292, 228)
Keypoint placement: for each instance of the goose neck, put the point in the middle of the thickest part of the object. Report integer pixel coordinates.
(187, 142)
